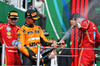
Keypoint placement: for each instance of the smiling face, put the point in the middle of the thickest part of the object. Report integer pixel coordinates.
(62, 44)
(12, 21)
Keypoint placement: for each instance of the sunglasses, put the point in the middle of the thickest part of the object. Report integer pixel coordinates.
(13, 18)
(62, 43)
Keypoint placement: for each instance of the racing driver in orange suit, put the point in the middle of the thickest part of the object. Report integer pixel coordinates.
(89, 36)
(8, 32)
(30, 35)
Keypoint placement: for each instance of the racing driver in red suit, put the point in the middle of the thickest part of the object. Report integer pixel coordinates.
(89, 35)
(8, 37)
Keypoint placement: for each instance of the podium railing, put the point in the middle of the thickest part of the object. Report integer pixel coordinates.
(38, 53)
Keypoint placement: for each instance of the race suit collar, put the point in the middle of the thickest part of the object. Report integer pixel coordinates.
(31, 26)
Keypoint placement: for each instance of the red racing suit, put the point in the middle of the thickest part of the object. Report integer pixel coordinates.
(88, 36)
(8, 37)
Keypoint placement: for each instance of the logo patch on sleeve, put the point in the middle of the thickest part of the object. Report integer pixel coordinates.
(18, 37)
(31, 32)
(39, 28)
(36, 31)
(24, 31)
(18, 34)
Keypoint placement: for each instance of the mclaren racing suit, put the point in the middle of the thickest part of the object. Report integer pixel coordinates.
(88, 36)
(8, 37)
(29, 36)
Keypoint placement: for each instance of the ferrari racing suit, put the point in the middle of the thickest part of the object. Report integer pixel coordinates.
(8, 37)
(88, 36)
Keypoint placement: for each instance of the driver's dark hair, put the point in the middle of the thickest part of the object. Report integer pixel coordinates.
(75, 15)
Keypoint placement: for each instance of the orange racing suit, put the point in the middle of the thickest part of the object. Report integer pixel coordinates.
(29, 36)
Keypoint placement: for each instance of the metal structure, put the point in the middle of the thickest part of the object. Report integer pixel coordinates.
(38, 53)
(3, 54)
(19, 4)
